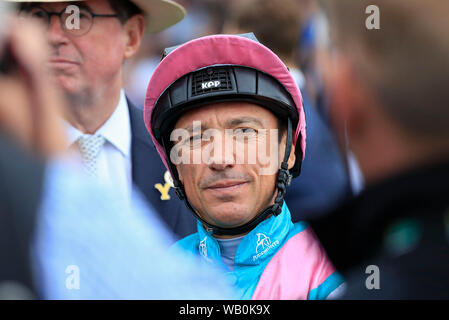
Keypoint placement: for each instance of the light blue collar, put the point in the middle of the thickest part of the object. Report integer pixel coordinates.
(253, 253)
(258, 246)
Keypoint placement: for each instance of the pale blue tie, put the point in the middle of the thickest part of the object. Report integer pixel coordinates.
(90, 147)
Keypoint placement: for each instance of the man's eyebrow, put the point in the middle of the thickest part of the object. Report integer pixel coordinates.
(230, 123)
(238, 121)
(190, 128)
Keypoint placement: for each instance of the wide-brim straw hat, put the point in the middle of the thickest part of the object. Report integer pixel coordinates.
(160, 14)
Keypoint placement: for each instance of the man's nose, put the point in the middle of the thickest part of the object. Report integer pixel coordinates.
(55, 33)
(222, 156)
(220, 165)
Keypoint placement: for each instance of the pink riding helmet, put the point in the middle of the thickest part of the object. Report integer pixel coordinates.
(219, 50)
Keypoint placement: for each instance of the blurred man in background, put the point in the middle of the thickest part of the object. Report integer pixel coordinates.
(107, 130)
(324, 181)
(21, 171)
(388, 94)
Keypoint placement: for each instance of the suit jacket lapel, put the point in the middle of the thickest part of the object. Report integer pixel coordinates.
(141, 148)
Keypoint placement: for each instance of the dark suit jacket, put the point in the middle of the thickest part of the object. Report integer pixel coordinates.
(398, 225)
(148, 170)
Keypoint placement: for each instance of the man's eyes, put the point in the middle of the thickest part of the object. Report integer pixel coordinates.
(234, 132)
(249, 130)
(38, 15)
(192, 140)
(84, 14)
(195, 138)
(246, 132)
(239, 132)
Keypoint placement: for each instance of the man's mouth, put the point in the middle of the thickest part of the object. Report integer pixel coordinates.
(62, 63)
(227, 185)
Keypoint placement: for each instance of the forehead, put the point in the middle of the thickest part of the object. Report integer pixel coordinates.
(91, 4)
(226, 113)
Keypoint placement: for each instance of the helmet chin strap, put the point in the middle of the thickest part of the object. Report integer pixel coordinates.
(283, 180)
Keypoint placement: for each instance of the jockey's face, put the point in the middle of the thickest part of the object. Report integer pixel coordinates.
(233, 161)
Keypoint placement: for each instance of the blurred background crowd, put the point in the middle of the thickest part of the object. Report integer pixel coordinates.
(295, 29)
(298, 31)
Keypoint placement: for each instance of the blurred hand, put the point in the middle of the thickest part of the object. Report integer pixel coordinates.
(30, 105)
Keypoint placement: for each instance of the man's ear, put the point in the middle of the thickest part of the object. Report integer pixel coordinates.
(134, 29)
(292, 158)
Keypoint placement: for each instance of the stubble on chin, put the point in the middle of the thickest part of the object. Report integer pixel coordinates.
(80, 99)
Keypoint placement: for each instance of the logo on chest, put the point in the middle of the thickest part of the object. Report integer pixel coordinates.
(262, 242)
(263, 245)
(203, 247)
